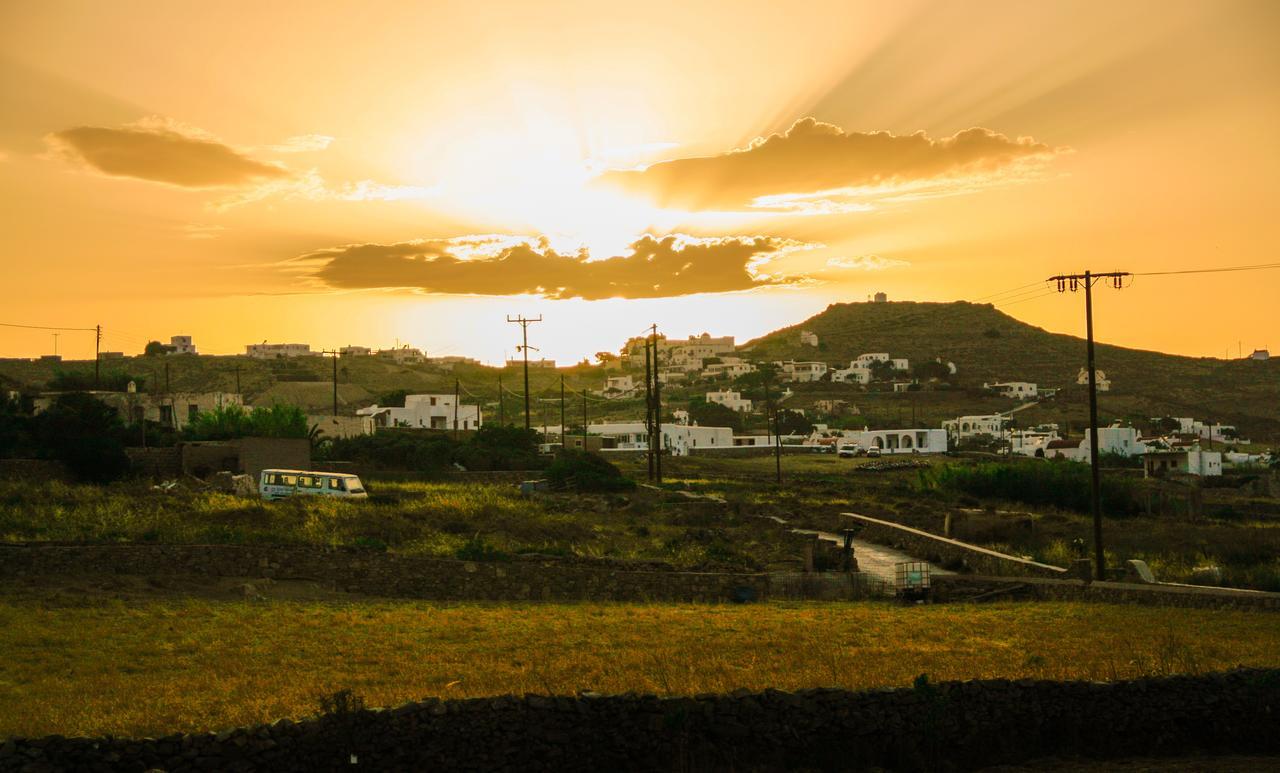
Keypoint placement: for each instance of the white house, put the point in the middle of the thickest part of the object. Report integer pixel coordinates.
(1017, 390)
(619, 386)
(802, 372)
(1192, 461)
(181, 345)
(1221, 433)
(355, 351)
(729, 366)
(1100, 379)
(1260, 355)
(426, 411)
(677, 439)
(403, 355)
(899, 441)
(854, 374)
(266, 351)
(971, 426)
(1122, 441)
(543, 363)
(1032, 442)
(734, 401)
(808, 339)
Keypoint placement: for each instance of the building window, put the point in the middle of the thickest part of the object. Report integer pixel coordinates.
(193, 411)
(166, 414)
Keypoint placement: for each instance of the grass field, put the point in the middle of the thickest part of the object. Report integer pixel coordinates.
(146, 668)
(445, 519)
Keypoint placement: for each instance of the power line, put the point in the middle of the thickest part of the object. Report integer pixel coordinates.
(1256, 267)
(48, 327)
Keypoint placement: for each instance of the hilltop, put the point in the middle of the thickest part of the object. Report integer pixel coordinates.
(989, 345)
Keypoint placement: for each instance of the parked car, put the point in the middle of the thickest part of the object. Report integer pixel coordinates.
(278, 484)
(873, 452)
(849, 452)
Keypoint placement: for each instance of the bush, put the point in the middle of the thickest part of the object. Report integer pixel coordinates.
(234, 421)
(85, 434)
(1061, 484)
(582, 471)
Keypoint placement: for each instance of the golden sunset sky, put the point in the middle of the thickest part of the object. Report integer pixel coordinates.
(365, 173)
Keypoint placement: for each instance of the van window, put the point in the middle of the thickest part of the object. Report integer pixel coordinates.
(336, 484)
(289, 480)
(309, 481)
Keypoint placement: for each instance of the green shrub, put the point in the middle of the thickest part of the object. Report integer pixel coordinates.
(1059, 484)
(582, 471)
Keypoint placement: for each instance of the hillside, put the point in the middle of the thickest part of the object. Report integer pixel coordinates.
(988, 345)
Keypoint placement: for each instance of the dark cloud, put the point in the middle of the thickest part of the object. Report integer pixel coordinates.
(651, 268)
(162, 153)
(813, 156)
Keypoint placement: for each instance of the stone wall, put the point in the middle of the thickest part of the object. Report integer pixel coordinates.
(961, 587)
(934, 727)
(948, 552)
(378, 573)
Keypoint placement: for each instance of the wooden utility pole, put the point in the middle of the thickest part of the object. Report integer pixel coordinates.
(329, 352)
(657, 411)
(562, 446)
(457, 397)
(97, 355)
(1074, 282)
(502, 404)
(524, 349)
(648, 403)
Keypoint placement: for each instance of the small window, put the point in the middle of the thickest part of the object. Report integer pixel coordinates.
(288, 480)
(336, 484)
(193, 411)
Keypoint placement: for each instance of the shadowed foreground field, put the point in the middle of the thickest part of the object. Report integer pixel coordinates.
(147, 668)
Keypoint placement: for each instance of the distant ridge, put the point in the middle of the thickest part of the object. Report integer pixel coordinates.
(989, 345)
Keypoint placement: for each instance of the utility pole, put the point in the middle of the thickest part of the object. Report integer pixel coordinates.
(524, 349)
(334, 354)
(237, 378)
(777, 427)
(561, 411)
(173, 414)
(55, 344)
(648, 401)
(502, 404)
(657, 410)
(1074, 282)
(584, 420)
(456, 398)
(97, 354)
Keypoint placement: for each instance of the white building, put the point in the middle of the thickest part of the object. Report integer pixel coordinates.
(1122, 441)
(1100, 379)
(854, 374)
(1222, 433)
(899, 441)
(1032, 442)
(734, 401)
(1260, 354)
(729, 366)
(701, 346)
(181, 345)
(427, 412)
(808, 338)
(543, 363)
(266, 351)
(677, 439)
(802, 372)
(1192, 461)
(971, 426)
(1016, 390)
(175, 409)
(355, 351)
(619, 386)
(403, 355)
(881, 298)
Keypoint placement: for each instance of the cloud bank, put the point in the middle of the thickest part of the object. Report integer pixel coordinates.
(652, 267)
(163, 154)
(812, 157)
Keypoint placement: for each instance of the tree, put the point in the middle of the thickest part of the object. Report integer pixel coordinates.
(793, 423)
(233, 421)
(583, 471)
(931, 369)
(605, 357)
(154, 349)
(882, 370)
(708, 414)
(85, 434)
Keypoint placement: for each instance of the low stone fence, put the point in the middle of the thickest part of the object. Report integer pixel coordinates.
(932, 727)
(949, 552)
(961, 587)
(379, 573)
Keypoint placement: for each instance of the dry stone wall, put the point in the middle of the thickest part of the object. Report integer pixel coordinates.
(948, 552)
(378, 573)
(945, 727)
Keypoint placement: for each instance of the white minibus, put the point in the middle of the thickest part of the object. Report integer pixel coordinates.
(278, 484)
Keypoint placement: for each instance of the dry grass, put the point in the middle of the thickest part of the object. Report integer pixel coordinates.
(154, 667)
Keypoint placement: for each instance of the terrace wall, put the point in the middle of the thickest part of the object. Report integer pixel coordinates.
(377, 573)
(959, 587)
(948, 726)
(949, 552)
